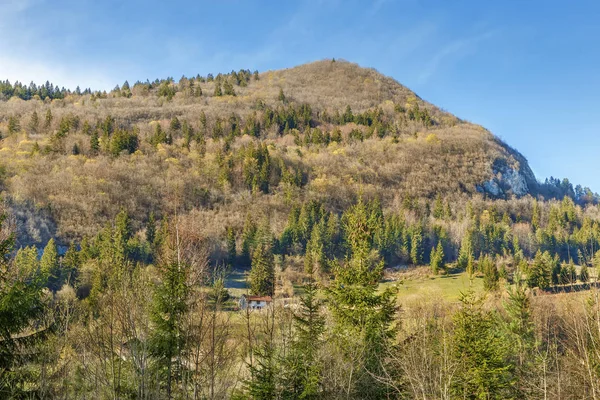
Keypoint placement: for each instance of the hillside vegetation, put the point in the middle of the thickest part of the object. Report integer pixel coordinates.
(408, 253)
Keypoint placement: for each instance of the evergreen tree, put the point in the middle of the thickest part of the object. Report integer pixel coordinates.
(314, 259)
(436, 261)
(490, 273)
(466, 258)
(50, 266)
(484, 370)
(248, 240)
(13, 125)
(361, 312)
(70, 264)
(169, 308)
(263, 372)
(34, 122)
(303, 368)
(416, 246)
(218, 91)
(438, 208)
(540, 273)
(262, 274)
(227, 89)
(151, 229)
(231, 247)
(21, 307)
(94, 143)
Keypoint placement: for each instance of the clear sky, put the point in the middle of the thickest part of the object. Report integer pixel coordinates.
(528, 70)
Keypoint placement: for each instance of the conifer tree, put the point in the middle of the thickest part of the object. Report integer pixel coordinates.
(13, 125)
(437, 258)
(217, 91)
(169, 308)
(303, 368)
(94, 143)
(490, 273)
(262, 274)
(314, 259)
(21, 307)
(70, 264)
(34, 122)
(359, 309)
(416, 245)
(227, 89)
(481, 352)
(248, 240)
(465, 254)
(48, 119)
(50, 266)
(231, 247)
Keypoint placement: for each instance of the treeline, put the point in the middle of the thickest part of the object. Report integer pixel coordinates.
(126, 315)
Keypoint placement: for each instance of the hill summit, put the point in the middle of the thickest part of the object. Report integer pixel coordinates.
(328, 130)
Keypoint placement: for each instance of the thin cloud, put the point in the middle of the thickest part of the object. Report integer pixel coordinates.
(457, 49)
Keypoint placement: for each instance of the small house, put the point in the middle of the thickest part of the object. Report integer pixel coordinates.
(255, 302)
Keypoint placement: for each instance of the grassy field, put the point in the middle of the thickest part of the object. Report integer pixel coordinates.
(448, 287)
(413, 283)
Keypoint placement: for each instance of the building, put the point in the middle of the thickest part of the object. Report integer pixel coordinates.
(255, 302)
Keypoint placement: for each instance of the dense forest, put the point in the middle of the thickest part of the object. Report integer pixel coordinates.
(134, 221)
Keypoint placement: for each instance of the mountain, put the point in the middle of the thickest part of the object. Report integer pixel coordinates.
(220, 146)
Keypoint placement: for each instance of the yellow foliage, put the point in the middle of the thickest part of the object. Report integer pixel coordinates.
(432, 138)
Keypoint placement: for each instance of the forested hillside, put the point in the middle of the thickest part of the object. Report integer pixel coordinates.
(326, 188)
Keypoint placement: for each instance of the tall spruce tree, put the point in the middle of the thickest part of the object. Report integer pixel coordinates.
(484, 370)
(360, 310)
(262, 274)
(21, 307)
(170, 305)
(50, 266)
(303, 368)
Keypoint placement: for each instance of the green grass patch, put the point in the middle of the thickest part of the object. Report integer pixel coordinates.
(447, 287)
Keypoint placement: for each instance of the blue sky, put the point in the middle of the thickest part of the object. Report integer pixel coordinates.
(526, 70)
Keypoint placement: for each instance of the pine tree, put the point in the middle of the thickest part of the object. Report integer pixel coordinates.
(303, 368)
(438, 208)
(521, 334)
(169, 308)
(151, 229)
(248, 240)
(262, 274)
(70, 263)
(227, 89)
(48, 119)
(262, 384)
(416, 246)
(50, 266)
(314, 259)
(94, 143)
(34, 122)
(465, 254)
(359, 309)
(217, 91)
(281, 96)
(231, 247)
(13, 125)
(484, 370)
(490, 274)
(437, 258)
(21, 308)
(540, 272)
(175, 125)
